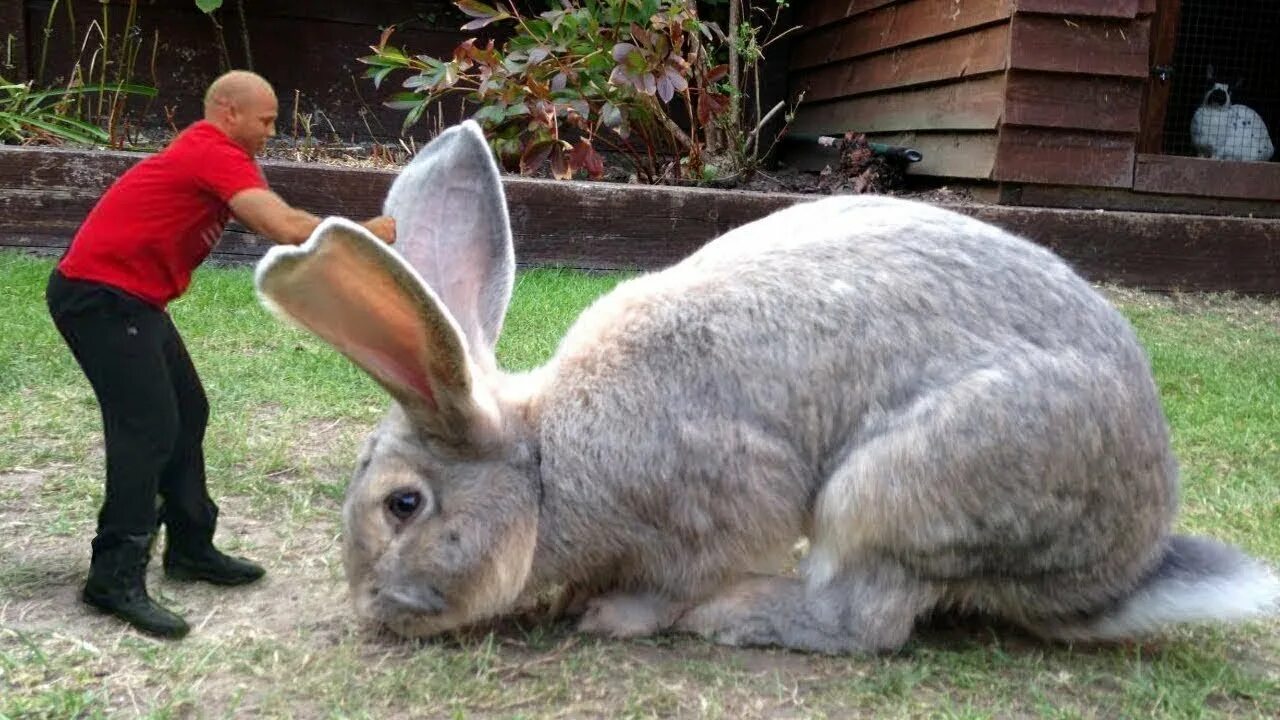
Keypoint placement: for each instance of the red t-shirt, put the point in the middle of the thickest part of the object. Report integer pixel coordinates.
(162, 217)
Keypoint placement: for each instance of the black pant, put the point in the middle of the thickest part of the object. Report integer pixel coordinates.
(154, 412)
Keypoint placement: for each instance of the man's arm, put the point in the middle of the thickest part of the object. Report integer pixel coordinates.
(267, 214)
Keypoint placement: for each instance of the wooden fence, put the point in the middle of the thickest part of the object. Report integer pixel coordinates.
(46, 193)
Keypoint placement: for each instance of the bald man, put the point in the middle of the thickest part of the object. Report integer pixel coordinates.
(134, 253)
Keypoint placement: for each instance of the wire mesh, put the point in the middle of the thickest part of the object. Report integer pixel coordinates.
(1224, 101)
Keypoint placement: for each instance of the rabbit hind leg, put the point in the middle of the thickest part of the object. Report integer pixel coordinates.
(869, 608)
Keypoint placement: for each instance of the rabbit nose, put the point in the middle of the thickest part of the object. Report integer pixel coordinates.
(423, 599)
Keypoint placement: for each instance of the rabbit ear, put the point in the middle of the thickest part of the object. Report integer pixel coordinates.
(350, 289)
(452, 227)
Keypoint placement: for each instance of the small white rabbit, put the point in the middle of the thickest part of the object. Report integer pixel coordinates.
(950, 415)
(1223, 130)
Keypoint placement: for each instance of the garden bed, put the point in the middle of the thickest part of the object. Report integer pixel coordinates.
(46, 192)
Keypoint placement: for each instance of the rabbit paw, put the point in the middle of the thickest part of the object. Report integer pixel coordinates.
(620, 615)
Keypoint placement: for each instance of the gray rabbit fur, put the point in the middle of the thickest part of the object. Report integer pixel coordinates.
(948, 413)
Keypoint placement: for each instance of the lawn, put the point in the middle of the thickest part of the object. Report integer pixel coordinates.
(288, 417)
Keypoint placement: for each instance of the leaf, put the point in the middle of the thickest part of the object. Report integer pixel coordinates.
(490, 115)
(714, 74)
(475, 9)
(666, 90)
(414, 115)
(483, 13)
(710, 106)
(560, 169)
(208, 6)
(622, 50)
(534, 155)
(611, 115)
(580, 107)
(585, 157)
(404, 101)
(676, 79)
(386, 34)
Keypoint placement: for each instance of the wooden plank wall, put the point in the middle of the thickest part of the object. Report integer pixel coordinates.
(308, 47)
(13, 42)
(1036, 91)
(45, 194)
(1073, 106)
(929, 73)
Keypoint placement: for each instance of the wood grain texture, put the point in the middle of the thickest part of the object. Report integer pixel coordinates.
(1176, 175)
(13, 41)
(317, 59)
(605, 226)
(1090, 46)
(1155, 102)
(894, 25)
(1123, 199)
(965, 105)
(1084, 102)
(1087, 8)
(817, 13)
(958, 56)
(1062, 157)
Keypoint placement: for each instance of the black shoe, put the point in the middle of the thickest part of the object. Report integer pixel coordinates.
(212, 566)
(117, 585)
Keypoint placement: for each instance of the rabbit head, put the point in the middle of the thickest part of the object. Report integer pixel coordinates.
(1219, 93)
(441, 516)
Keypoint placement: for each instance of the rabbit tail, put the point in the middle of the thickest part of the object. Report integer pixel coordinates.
(1199, 580)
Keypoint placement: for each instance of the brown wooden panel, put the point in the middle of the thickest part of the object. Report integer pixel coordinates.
(966, 55)
(1074, 101)
(1185, 252)
(319, 60)
(1151, 250)
(1063, 157)
(406, 13)
(1148, 7)
(1096, 8)
(816, 13)
(13, 41)
(965, 105)
(62, 169)
(1155, 102)
(1202, 176)
(1082, 45)
(895, 25)
(631, 226)
(968, 155)
(1122, 199)
(957, 155)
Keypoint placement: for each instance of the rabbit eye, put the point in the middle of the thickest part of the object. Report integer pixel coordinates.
(403, 504)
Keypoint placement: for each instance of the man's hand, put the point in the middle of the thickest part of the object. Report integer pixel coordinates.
(384, 226)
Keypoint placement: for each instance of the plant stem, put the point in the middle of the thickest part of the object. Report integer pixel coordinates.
(244, 35)
(44, 46)
(667, 123)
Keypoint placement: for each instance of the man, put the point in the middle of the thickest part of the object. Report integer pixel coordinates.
(134, 253)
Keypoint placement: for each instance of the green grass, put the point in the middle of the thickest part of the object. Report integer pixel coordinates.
(288, 417)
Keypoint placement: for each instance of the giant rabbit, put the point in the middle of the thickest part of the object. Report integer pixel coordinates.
(948, 413)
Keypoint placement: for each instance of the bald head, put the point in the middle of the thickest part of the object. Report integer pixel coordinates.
(243, 105)
(236, 88)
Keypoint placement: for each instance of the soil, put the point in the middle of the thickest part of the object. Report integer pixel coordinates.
(854, 169)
